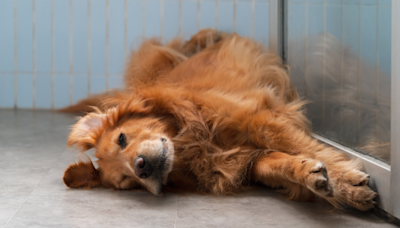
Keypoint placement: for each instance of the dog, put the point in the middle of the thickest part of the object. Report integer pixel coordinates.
(216, 114)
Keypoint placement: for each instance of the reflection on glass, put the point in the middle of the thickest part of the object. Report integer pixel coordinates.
(339, 56)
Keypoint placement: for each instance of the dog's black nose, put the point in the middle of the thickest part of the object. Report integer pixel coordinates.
(143, 168)
(163, 140)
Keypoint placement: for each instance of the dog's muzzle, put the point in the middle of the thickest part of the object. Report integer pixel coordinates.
(152, 169)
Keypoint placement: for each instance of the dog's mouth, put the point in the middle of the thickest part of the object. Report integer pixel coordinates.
(153, 169)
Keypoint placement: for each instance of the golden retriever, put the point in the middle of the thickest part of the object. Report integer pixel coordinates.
(216, 114)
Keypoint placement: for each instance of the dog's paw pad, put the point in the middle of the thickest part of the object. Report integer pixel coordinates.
(317, 180)
(321, 183)
(318, 168)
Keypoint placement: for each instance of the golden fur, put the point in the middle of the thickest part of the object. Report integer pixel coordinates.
(227, 117)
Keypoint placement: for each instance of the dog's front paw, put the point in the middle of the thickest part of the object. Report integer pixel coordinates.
(354, 190)
(361, 197)
(316, 178)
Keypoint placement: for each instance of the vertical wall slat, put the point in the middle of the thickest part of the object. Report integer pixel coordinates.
(234, 15)
(25, 53)
(162, 19)
(125, 30)
(171, 19)
(207, 11)
(116, 43)
(189, 18)
(97, 47)
(43, 36)
(305, 46)
(15, 54)
(135, 21)
(180, 18)
(80, 49)
(71, 53)
(89, 49)
(43, 54)
(33, 54)
(107, 41)
(61, 54)
(152, 21)
(144, 19)
(52, 54)
(216, 14)
(244, 18)
(253, 15)
(7, 90)
(261, 22)
(225, 15)
(198, 15)
(7, 54)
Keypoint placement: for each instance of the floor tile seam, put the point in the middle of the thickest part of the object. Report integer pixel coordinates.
(28, 195)
(45, 174)
(17, 210)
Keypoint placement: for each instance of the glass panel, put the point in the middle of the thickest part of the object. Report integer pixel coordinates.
(339, 57)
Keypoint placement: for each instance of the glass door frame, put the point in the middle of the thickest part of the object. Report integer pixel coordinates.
(395, 113)
(385, 178)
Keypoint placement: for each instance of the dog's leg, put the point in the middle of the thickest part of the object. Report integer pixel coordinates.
(284, 133)
(349, 183)
(295, 173)
(151, 61)
(203, 39)
(154, 59)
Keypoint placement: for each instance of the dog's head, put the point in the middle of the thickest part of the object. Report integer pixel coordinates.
(133, 150)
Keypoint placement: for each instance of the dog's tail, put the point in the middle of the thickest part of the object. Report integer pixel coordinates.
(100, 101)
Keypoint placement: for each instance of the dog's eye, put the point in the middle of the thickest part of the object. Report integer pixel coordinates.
(122, 140)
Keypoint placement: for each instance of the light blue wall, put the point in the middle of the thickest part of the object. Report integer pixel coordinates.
(63, 61)
(54, 70)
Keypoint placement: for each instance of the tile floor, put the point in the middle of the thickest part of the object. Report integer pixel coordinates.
(33, 157)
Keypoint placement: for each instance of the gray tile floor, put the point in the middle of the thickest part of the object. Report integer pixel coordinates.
(33, 157)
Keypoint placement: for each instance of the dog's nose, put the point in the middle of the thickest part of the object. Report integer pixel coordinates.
(143, 168)
(163, 140)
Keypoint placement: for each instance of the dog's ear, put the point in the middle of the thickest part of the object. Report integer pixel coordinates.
(82, 175)
(85, 133)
